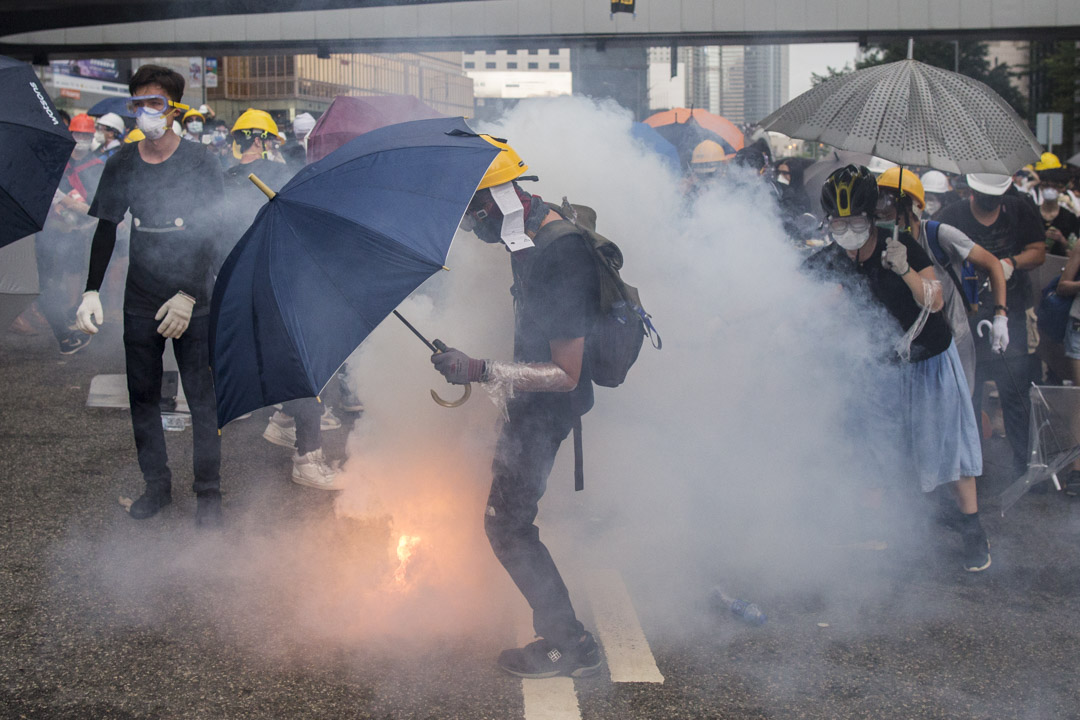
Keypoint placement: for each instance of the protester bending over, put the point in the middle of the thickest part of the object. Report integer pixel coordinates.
(556, 299)
(172, 189)
(936, 435)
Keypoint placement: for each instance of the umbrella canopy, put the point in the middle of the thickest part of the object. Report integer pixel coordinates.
(348, 117)
(34, 150)
(685, 128)
(338, 248)
(116, 105)
(655, 142)
(913, 114)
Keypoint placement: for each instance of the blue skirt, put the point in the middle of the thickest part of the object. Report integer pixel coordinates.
(938, 432)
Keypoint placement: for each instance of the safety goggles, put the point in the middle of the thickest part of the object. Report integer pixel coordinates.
(855, 223)
(152, 104)
(886, 203)
(477, 212)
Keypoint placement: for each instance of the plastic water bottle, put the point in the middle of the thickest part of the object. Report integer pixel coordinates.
(746, 611)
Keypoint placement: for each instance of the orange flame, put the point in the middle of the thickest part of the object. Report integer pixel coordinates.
(405, 548)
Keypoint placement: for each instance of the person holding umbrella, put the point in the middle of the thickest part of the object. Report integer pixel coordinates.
(555, 304)
(1009, 227)
(172, 189)
(935, 434)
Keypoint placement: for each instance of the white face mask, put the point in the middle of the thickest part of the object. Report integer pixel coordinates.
(1050, 194)
(851, 240)
(99, 139)
(194, 127)
(152, 125)
(83, 146)
(932, 205)
(783, 179)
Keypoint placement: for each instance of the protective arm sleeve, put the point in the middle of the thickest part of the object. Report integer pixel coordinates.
(101, 250)
(528, 377)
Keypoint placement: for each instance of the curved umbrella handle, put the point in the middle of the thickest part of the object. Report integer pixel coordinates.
(453, 403)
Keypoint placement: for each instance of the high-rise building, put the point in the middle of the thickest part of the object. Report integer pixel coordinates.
(765, 80)
(502, 77)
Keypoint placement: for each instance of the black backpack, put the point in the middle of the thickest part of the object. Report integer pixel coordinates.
(613, 344)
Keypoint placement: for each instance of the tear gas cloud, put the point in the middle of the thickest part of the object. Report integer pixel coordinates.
(722, 459)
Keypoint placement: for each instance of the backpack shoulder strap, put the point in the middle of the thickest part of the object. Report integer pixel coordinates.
(941, 257)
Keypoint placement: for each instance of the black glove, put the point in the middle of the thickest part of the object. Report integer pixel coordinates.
(457, 367)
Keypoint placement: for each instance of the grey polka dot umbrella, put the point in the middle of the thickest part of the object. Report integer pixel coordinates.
(913, 114)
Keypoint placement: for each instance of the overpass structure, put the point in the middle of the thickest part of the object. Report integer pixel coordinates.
(197, 27)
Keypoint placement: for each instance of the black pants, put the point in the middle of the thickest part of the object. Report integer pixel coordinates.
(1012, 374)
(523, 458)
(143, 348)
(307, 414)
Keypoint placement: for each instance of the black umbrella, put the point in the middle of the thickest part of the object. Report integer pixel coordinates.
(34, 149)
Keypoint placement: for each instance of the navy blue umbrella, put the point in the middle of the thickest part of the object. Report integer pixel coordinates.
(116, 105)
(34, 150)
(333, 253)
(656, 142)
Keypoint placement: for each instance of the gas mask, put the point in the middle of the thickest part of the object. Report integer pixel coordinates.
(99, 139)
(497, 215)
(851, 239)
(220, 138)
(153, 125)
(986, 202)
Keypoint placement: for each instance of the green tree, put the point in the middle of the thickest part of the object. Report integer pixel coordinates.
(1055, 87)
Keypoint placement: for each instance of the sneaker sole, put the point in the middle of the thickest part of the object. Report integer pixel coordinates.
(317, 486)
(578, 673)
(75, 350)
(278, 439)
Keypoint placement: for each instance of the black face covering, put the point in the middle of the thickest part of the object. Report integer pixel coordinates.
(987, 202)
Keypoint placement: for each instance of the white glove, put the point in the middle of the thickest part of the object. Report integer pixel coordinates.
(1008, 268)
(177, 314)
(895, 257)
(89, 312)
(999, 334)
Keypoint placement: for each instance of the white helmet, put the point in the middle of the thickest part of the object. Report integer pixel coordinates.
(934, 181)
(112, 120)
(989, 183)
(879, 165)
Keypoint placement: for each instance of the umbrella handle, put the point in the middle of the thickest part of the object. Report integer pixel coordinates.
(453, 403)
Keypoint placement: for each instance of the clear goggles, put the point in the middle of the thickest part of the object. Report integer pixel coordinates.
(152, 104)
(855, 223)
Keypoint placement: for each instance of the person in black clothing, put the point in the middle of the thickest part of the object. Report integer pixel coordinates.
(1061, 225)
(1009, 227)
(936, 435)
(556, 298)
(172, 189)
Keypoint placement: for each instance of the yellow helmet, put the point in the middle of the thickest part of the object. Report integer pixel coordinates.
(135, 136)
(1048, 161)
(912, 184)
(506, 166)
(707, 157)
(253, 123)
(193, 113)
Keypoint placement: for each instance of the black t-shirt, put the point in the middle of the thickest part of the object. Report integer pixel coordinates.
(833, 264)
(175, 232)
(556, 297)
(244, 199)
(1018, 225)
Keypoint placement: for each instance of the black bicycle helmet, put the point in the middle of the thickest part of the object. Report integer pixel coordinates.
(851, 190)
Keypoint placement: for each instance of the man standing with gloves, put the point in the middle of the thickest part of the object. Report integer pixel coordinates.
(1009, 227)
(556, 301)
(172, 189)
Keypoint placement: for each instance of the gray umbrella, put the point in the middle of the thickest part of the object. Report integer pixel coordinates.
(913, 114)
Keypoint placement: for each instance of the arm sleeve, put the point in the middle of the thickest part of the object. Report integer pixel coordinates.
(916, 256)
(101, 250)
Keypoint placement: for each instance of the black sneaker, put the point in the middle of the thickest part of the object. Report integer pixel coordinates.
(208, 509)
(149, 504)
(74, 342)
(976, 551)
(541, 659)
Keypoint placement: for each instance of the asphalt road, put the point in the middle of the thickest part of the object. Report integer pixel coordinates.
(105, 617)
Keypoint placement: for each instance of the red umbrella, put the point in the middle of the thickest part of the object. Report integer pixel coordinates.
(347, 117)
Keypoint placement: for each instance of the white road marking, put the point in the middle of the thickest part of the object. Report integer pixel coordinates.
(628, 656)
(550, 698)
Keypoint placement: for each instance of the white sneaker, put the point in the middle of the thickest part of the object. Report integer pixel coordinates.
(312, 470)
(329, 420)
(281, 430)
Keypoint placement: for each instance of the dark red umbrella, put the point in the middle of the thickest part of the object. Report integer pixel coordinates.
(348, 117)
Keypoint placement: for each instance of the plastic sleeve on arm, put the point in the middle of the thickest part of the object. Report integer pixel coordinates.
(101, 250)
(529, 377)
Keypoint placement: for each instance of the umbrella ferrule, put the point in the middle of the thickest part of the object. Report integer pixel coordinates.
(262, 186)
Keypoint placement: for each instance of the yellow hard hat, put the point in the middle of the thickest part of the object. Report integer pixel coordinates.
(708, 151)
(912, 184)
(256, 123)
(1048, 161)
(193, 113)
(506, 166)
(134, 136)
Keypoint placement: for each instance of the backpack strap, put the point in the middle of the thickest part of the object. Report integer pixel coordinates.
(941, 257)
(579, 465)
